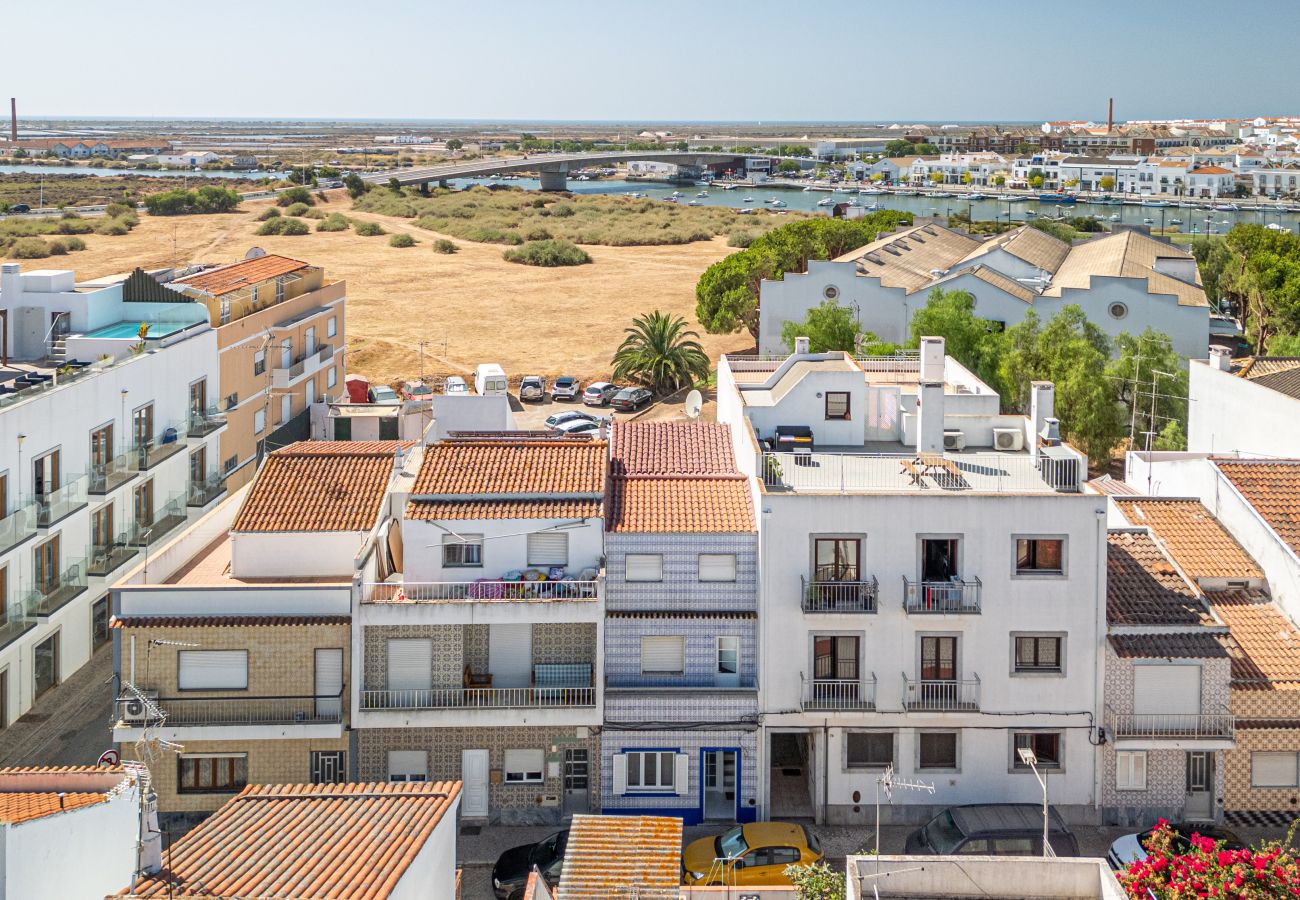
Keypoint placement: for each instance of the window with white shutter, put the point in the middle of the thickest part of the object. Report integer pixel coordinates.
(212, 670)
(644, 567)
(1167, 690)
(1273, 769)
(408, 765)
(410, 664)
(663, 655)
(717, 567)
(1131, 770)
(651, 771)
(548, 548)
(523, 766)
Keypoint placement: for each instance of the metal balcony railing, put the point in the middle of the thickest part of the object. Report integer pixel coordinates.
(106, 476)
(104, 558)
(201, 493)
(480, 698)
(61, 502)
(941, 694)
(977, 472)
(839, 596)
(46, 597)
(205, 421)
(1171, 726)
(234, 710)
(483, 589)
(18, 526)
(925, 597)
(838, 693)
(170, 441)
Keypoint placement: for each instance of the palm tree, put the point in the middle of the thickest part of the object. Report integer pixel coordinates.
(661, 352)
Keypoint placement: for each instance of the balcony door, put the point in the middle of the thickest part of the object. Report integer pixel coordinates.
(938, 670)
(510, 655)
(837, 559)
(101, 448)
(46, 471)
(835, 658)
(142, 426)
(45, 565)
(199, 397)
(939, 559)
(309, 341)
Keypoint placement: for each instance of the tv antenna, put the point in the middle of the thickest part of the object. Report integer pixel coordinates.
(694, 403)
(887, 782)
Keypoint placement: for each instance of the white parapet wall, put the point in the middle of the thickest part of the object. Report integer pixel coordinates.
(987, 877)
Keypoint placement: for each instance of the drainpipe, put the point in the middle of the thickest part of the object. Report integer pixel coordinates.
(826, 772)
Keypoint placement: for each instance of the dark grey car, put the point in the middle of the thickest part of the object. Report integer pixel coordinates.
(992, 829)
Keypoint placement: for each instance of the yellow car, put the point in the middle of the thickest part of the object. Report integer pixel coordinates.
(753, 854)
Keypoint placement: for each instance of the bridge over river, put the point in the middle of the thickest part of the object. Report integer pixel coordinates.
(551, 168)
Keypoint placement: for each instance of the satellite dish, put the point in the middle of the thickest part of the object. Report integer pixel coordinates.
(694, 403)
(255, 253)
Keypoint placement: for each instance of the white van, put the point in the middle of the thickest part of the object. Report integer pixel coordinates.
(489, 379)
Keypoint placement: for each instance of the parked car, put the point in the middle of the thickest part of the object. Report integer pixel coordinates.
(510, 874)
(578, 426)
(566, 387)
(416, 390)
(19, 208)
(758, 854)
(490, 378)
(383, 395)
(1130, 847)
(555, 420)
(532, 388)
(455, 385)
(991, 829)
(631, 399)
(599, 393)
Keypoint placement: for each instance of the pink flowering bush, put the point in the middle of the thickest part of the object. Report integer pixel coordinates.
(1206, 869)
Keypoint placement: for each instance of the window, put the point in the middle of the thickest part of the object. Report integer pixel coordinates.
(663, 655)
(830, 292)
(462, 551)
(230, 464)
(837, 405)
(1118, 310)
(835, 658)
(142, 504)
(259, 421)
(99, 622)
(644, 567)
(332, 326)
(408, 765)
(651, 770)
(717, 567)
(868, 749)
(1039, 556)
(45, 664)
(212, 670)
(1273, 770)
(836, 559)
(728, 655)
(331, 377)
(328, 766)
(1046, 746)
(939, 559)
(523, 766)
(410, 664)
(1038, 654)
(937, 750)
(1130, 770)
(548, 548)
(212, 773)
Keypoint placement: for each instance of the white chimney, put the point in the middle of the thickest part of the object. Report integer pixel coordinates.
(802, 346)
(1221, 359)
(929, 424)
(1042, 406)
(932, 354)
(1051, 433)
(11, 284)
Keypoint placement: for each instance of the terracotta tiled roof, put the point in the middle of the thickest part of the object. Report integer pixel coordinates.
(236, 276)
(224, 621)
(1187, 645)
(17, 808)
(1272, 487)
(1269, 642)
(319, 486)
(680, 505)
(1144, 588)
(609, 856)
(503, 509)
(304, 841)
(1210, 170)
(1193, 537)
(479, 470)
(671, 448)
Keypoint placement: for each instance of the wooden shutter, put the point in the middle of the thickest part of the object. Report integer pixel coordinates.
(644, 567)
(410, 664)
(1169, 690)
(717, 567)
(663, 655)
(548, 548)
(620, 774)
(209, 670)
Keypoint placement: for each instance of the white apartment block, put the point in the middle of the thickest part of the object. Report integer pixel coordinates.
(108, 445)
(932, 586)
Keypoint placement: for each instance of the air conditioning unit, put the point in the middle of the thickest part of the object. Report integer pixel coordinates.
(954, 440)
(1008, 438)
(135, 711)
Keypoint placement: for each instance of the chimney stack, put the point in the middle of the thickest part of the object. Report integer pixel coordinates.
(1221, 359)
(1042, 407)
(932, 359)
(929, 419)
(802, 346)
(1110, 115)
(13, 119)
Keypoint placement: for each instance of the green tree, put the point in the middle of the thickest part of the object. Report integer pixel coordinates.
(662, 353)
(827, 327)
(974, 342)
(455, 144)
(294, 195)
(1141, 361)
(966, 178)
(1284, 345)
(878, 177)
(394, 185)
(356, 187)
(1107, 183)
(1171, 437)
(898, 147)
(816, 881)
(788, 165)
(936, 177)
(999, 180)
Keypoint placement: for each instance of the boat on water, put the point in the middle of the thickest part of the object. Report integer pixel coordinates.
(748, 200)
(1159, 204)
(1226, 207)
(1148, 221)
(842, 190)
(676, 194)
(702, 194)
(825, 201)
(1175, 221)
(637, 195)
(871, 191)
(670, 199)
(854, 202)
(1057, 198)
(1106, 200)
(744, 212)
(975, 195)
(874, 207)
(941, 194)
(1114, 217)
(777, 204)
(729, 187)
(694, 203)
(908, 193)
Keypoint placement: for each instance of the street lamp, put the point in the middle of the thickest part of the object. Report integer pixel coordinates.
(1028, 757)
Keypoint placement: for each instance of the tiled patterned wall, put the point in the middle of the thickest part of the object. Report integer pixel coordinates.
(681, 587)
(517, 804)
(1215, 676)
(689, 742)
(564, 642)
(623, 650)
(702, 706)
(1239, 796)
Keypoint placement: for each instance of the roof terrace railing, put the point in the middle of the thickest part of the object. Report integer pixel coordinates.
(992, 472)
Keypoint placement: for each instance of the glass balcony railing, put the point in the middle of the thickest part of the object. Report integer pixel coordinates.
(105, 477)
(16, 619)
(205, 421)
(166, 518)
(105, 558)
(61, 502)
(169, 442)
(18, 526)
(201, 493)
(45, 597)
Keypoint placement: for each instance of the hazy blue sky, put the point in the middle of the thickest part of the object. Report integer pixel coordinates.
(646, 61)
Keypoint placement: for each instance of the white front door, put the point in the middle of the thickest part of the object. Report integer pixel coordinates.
(510, 655)
(883, 422)
(474, 775)
(720, 784)
(1199, 806)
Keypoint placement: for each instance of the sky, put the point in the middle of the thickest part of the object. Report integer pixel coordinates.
(660, 61)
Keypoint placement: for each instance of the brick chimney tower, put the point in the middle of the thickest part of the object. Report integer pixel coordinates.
(1110, 115)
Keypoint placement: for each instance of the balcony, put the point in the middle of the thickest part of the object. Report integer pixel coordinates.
(105, 558)
(941, 695)
(201, 493)
(17, 527)
(204, 421)
(233, 711)
(830, 694)
(167, 518)
(106, 477)
(16, 619)
(303, 364)
(482, 698)
(57, 505)
(43, 599)
(171, 440)
(839, 596)
(955, 596)
(1183, 728)
(484, 589)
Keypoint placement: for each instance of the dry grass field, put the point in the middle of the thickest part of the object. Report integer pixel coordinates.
(470, 307)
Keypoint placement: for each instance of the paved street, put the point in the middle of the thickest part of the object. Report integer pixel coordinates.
(70, 724)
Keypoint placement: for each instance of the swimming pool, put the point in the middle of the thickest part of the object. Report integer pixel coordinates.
(132, 329)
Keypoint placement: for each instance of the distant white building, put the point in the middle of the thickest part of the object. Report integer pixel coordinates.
(188, 158)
